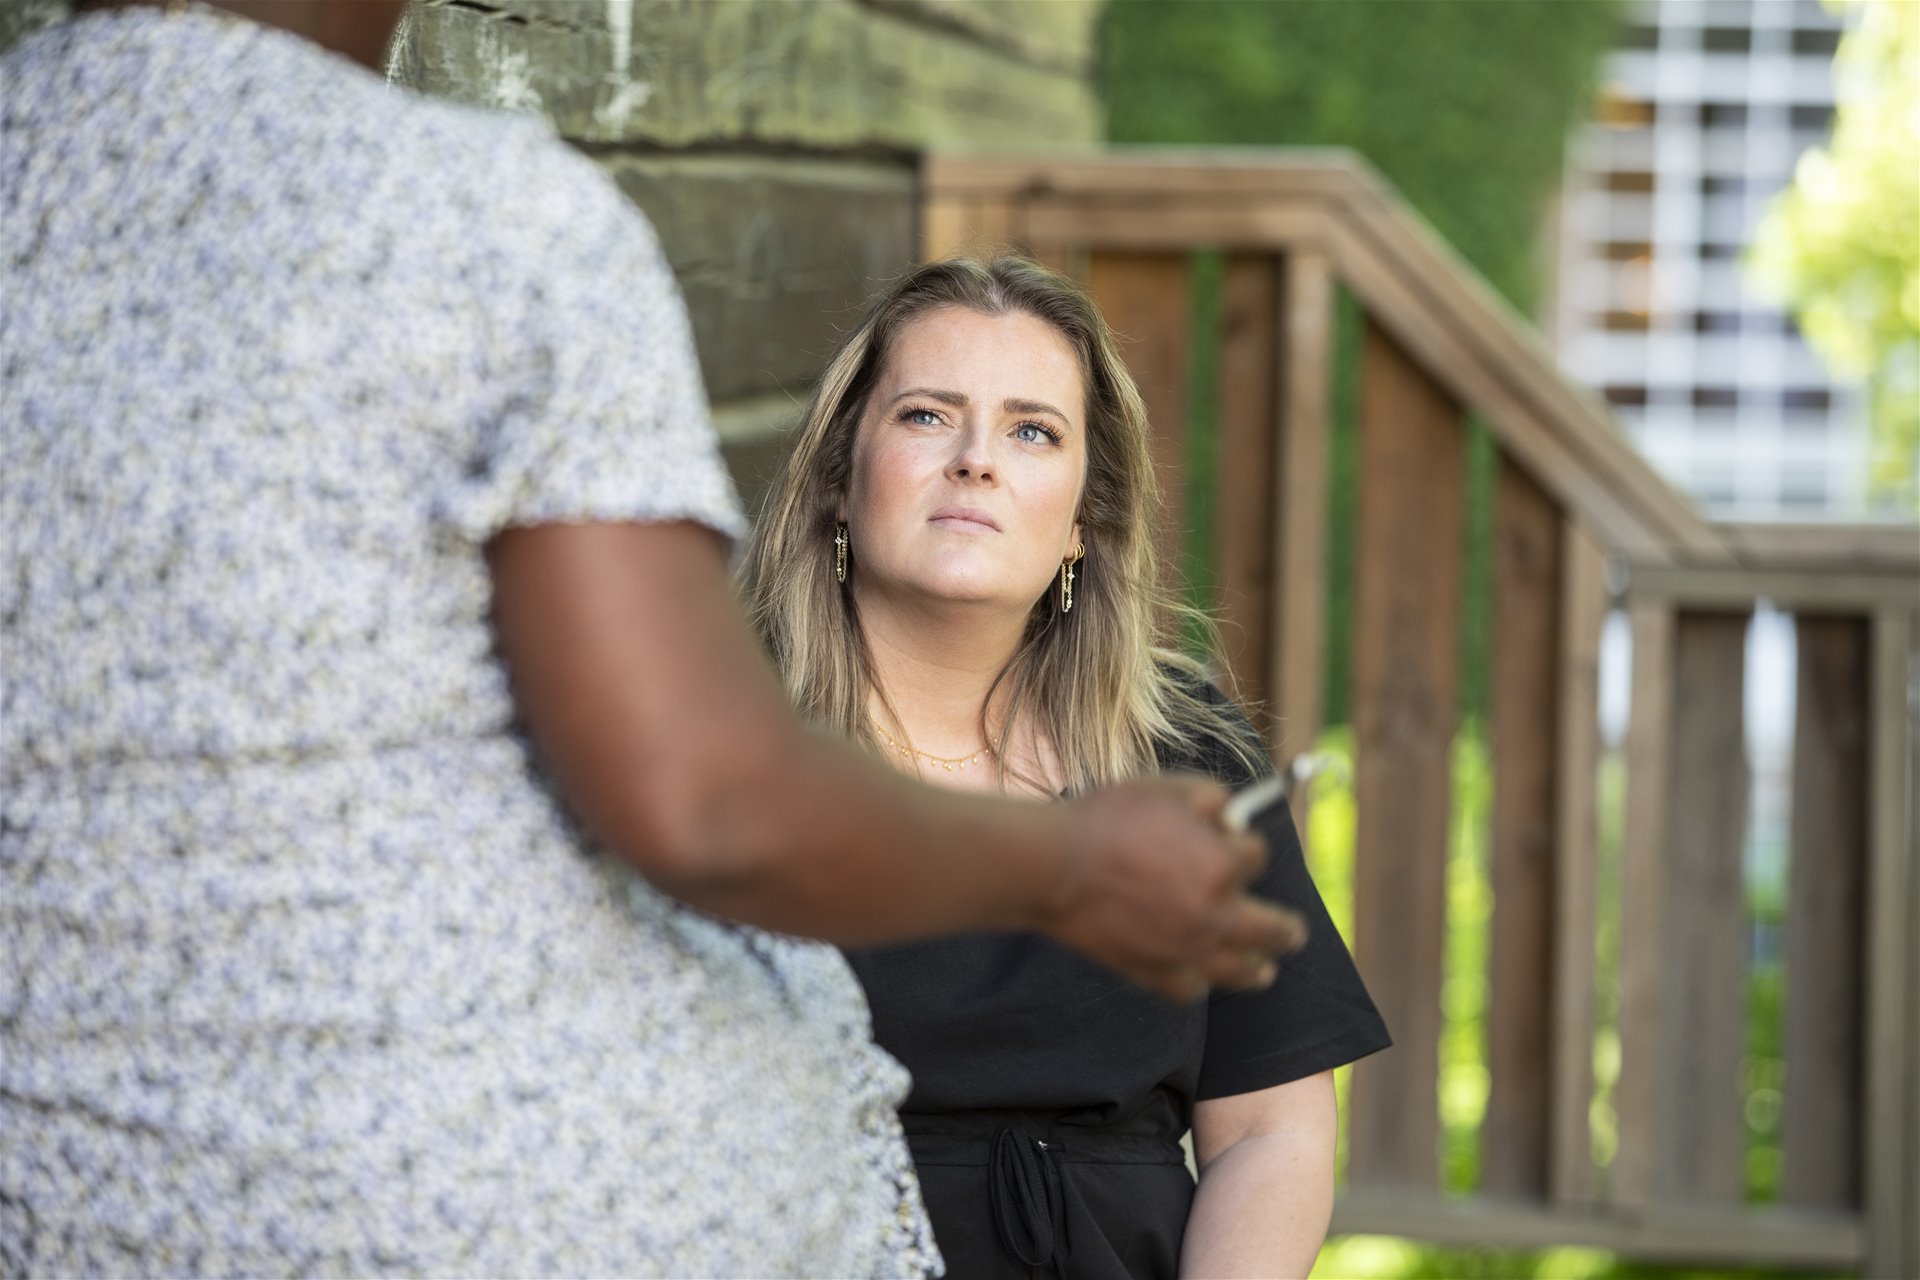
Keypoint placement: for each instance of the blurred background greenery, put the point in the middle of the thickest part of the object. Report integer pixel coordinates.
(1842, 245)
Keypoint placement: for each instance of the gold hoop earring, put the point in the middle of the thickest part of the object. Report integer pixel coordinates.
(840, 552)
(1066, 579)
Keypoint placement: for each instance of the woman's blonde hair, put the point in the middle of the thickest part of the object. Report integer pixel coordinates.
(1100, 684)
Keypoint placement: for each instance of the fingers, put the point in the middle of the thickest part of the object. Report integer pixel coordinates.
(1263, 927)
(1242, 961)
(1239, 970)
(1208, 801)
(1249, 854)
(1245, 958)
(1235, 971)
(1164, 899)
(1205, 799)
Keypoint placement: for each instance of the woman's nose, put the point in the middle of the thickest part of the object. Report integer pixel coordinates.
(973, 459)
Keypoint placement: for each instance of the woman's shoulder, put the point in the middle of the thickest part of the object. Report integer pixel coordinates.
(1216, 740)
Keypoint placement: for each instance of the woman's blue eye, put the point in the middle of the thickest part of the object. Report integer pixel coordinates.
(1034, 433)
(923, 417)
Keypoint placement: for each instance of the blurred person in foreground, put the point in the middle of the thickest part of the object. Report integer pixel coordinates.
(305, 968)
(958, 571)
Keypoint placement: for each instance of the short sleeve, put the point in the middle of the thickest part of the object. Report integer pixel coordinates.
(1316, 1015)
(604, 417)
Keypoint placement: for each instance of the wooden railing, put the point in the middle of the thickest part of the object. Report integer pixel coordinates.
(1581, 524)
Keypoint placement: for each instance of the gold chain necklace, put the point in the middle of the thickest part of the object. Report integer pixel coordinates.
(952, 764)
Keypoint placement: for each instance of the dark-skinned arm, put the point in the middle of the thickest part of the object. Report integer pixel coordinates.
(670, 736)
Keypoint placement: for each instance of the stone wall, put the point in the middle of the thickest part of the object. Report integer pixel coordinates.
(772, 142)
(17, 17)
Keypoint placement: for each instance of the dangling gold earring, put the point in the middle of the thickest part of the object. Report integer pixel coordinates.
(840, 552)
(1066, 579)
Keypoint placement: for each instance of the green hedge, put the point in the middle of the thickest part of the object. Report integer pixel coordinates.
(1465, 105)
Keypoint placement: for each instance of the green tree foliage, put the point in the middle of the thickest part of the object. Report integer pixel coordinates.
(1842, 244)
(1464, 104)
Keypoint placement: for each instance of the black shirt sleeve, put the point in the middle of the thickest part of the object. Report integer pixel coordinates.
(1317, 1014)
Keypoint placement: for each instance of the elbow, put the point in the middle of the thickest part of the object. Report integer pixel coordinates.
(702, 820)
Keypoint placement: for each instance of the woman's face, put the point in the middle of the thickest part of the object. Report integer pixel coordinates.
(969, 463)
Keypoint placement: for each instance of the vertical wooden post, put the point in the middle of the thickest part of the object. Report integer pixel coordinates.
(1576, 874)
(1891, 862)
(1406, 671)
(1527, 596)
(1911, 1257)
(945, 225)
(1146, 298)
(980, 225)
(1247, 510)
(1821, 1121)
(1700, 1134)
(1299, 600)
(1642, 897)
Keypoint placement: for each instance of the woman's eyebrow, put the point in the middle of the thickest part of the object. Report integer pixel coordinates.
(959, 400)
(1012, 404)
(952, 399)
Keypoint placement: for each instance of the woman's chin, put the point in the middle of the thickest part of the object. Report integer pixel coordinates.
(968, 591)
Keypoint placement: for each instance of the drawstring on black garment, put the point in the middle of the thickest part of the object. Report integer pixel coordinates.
(1024, 1183)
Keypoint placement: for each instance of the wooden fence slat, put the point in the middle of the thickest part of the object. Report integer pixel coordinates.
(1406, 644)
(1911, 1257)
(945, 225)
(1147, 299)
(1891, 865)
(1515, 1135)
(1245, 506)
(974, 225)
(1577, 860)
(1642, 901)
(997, 228)
(1299, 600)
(1700, 1121)
(1827, 860)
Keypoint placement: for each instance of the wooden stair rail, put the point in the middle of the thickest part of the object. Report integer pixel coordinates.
(1469, 340)
(1581, 524)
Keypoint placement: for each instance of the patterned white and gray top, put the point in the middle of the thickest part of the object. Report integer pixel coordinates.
(304, 969)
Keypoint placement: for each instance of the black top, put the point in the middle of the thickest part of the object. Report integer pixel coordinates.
(1050, 1095)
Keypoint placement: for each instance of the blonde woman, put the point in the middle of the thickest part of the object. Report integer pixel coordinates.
(957, 570)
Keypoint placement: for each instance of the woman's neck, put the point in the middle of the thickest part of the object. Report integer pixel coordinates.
(936, 667)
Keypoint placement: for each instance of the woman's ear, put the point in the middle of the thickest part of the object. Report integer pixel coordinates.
(1078, 545)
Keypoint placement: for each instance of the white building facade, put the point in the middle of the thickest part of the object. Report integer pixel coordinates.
(1705, 106)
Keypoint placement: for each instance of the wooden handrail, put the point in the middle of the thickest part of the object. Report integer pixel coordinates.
(1475, 345)
(1820, 566)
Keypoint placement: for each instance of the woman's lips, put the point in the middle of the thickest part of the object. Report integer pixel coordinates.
(968, 516)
